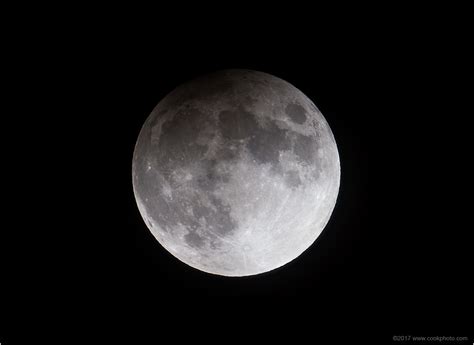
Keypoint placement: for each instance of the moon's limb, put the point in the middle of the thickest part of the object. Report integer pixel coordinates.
(236, 173)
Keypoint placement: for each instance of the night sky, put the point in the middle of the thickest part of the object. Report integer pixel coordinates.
(373, 269)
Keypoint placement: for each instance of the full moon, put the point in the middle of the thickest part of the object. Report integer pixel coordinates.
(236, 173)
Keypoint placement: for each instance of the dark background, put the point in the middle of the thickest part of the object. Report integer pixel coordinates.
(399, 267)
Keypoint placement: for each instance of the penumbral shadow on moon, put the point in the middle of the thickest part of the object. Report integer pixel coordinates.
(236, 173)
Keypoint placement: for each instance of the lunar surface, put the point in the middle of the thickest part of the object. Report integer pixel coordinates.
(236, 173)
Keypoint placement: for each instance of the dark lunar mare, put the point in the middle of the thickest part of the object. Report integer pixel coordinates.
(176, 150)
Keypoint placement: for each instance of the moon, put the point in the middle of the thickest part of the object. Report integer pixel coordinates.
(236, 173)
